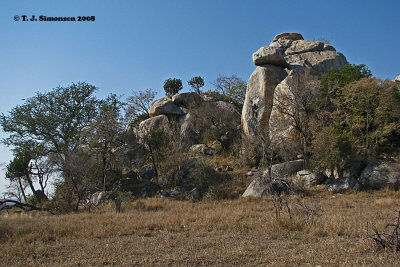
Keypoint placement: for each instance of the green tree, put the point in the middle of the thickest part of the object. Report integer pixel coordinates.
(172, 86)
(231, 87)
(26, 168)
(196, 83)
(55, 122)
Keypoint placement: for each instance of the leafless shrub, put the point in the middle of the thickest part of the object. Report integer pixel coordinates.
(386, 241)
(311, 210)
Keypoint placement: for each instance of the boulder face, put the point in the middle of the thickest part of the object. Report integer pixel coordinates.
(164, 106)
(259, 98)
(282, 68)
(381, 173)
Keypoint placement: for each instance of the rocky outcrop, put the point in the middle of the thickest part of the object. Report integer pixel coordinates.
(190, 116)
(397, 79)
(283, 67)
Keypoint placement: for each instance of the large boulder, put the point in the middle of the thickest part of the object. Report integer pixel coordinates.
(164, 106)
(288, 36)
(297, 88)
(342, 184)
(381, 173)
(269, 55)
(259, 98)
(98, 197)
(306, 178)
(159, 122)
(320, 61)
(262, 187)
(187, 100)
(303, 46)
(286, 169)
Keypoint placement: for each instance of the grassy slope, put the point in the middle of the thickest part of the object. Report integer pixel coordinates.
(239, 232)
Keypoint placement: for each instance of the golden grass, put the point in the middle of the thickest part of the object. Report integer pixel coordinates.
(158, 232)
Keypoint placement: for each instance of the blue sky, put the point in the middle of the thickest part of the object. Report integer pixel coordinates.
(135, 45)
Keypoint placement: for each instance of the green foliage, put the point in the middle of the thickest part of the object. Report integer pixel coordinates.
(332, 149)
(231, 87)
(54, 120)
(203, 176)
(196, 83)
(32, 200)
(365, 122)
(172, 86)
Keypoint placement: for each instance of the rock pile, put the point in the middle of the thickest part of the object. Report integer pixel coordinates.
(288, 64)
(191, 114)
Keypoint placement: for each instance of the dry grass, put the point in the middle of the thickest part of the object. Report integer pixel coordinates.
(157, 232)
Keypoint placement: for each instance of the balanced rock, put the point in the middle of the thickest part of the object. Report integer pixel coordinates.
(164, 106)
(276, 77)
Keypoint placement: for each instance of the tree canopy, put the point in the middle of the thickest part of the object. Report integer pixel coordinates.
(172, 86)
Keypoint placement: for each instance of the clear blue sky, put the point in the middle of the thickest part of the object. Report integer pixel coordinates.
(134, 45)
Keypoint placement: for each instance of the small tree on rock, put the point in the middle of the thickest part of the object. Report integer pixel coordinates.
(172, 86)
(196, 83)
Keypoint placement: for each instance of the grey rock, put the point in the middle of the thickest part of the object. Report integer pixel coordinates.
(208, 151)
(307, 178)
(98, 197)
(343, 184)
(282, 44)
(381, 173)
(159, 122)
(286, 169)
(259, 99)
(269, 55)
(147, 172)
(197, 148)
(187, 100)
(194, 194)
(328, 47)
(288, 36)
(299, 83)
(320, 61)
(218, 169)
(303, 46)
(263, 187)
(164, 106)
(397, 79)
